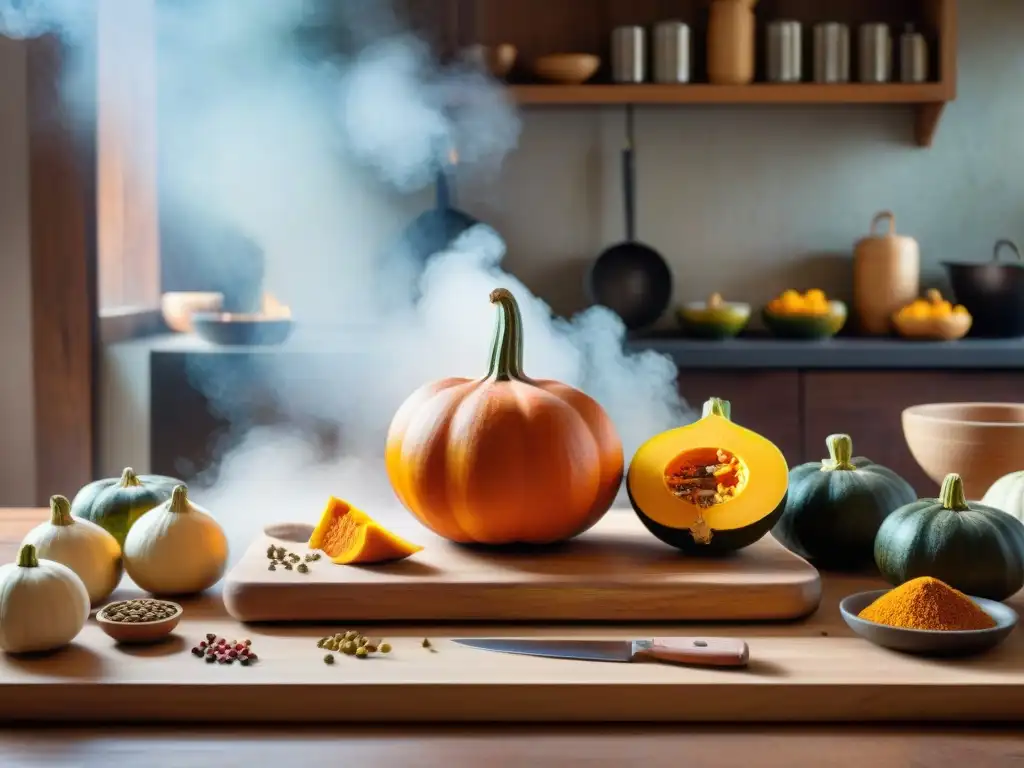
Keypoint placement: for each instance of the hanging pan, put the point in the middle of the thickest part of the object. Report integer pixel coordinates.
(630, 278)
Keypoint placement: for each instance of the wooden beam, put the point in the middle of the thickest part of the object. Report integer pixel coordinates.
(62, 168)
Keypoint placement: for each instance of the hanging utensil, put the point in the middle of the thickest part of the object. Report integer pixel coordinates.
(436, 229)
(993, 293)
(696, 651)
(630, 278)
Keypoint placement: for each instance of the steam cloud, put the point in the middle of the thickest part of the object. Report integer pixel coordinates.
(308, 156)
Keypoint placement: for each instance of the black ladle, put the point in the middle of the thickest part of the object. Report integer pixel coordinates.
(993, 293)
(630, 278)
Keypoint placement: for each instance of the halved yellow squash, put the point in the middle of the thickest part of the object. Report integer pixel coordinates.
(709, 487)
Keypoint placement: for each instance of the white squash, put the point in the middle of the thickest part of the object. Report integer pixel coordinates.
(88, 550)
(1007, 494)
(176, 548)
(43, 604)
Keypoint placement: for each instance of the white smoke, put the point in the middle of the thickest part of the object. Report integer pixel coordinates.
(306, 156)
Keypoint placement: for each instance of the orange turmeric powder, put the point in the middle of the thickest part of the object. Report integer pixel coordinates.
(927, 603)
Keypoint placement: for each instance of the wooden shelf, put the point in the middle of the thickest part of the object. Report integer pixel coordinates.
(758, 93)
(928, 99)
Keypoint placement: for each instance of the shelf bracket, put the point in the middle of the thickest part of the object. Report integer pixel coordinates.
(926, 121)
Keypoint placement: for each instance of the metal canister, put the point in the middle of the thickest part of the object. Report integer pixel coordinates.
(875, 56)
(831, 53)
(671, 52)
(913, 56)
(785, 52)
(629, 55)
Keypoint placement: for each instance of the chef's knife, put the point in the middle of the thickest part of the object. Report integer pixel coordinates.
(699, 651)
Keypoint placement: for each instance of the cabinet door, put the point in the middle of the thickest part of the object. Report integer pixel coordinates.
(767, 402)
(867, 406)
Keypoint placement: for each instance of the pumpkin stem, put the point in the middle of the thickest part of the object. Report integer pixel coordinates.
(60, 511)
(952, 493)
(27, 557)
(718, 407)
(840, 451)
(129, 478)
(179, 499)
(507, 350)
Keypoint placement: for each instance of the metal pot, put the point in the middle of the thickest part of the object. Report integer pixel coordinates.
(992, 292)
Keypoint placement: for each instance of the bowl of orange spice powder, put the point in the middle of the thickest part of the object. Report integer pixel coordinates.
(927, 616)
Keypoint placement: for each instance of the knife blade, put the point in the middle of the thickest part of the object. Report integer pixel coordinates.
(697, 651)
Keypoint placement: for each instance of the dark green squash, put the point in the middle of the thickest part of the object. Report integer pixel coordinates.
(976, 549)
(836, 506)
(116, 503)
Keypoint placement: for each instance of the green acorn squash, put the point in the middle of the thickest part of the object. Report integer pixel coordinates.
(835, 507)
(708, 488)
(976, 549)
(116, 503)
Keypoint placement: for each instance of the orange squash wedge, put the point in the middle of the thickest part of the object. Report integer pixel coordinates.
(349, 536)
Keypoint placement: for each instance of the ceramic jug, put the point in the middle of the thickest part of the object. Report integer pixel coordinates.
(886, 275)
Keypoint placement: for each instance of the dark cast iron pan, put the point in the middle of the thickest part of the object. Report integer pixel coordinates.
(432, 232)
(436, 229)
(630, 278)
(992, 292)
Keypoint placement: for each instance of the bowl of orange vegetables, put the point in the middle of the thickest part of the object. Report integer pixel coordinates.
(810, 315)
(932, 318)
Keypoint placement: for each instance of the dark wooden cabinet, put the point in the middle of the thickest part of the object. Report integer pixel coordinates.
(867, 406)
(767, 402)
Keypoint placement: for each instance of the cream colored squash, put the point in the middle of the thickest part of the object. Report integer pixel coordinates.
(43, 604)
(176, 548)
(1007, 494)
(88, 550)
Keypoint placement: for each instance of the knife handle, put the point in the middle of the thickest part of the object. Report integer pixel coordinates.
(702, 651)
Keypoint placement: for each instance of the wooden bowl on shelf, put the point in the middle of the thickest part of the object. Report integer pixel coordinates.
(496, 59)
(566, 68)
(949, 328)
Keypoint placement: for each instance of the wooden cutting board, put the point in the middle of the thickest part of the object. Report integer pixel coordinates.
(617, 571)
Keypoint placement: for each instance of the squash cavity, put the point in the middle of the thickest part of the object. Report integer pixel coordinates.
(711, 486)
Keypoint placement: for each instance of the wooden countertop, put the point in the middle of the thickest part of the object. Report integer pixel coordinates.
(792, 649)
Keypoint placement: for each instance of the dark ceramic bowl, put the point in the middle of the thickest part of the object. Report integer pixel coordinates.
(925, 641)
(241, 330)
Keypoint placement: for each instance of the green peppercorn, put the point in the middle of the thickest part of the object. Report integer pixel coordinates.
(425, 643)
(361, 653)
(329, 658)
(271, 567)
(348, 647)
(385, 647)
(302, 568)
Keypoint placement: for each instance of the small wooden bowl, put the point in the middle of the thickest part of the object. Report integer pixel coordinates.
(926, 641)
(496, 59)
(566, 68)
(949, 328)
(143, 631)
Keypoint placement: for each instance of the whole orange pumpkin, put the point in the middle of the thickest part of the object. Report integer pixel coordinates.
(504, 459)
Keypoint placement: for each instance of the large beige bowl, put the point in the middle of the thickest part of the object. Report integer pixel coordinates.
(981, 442)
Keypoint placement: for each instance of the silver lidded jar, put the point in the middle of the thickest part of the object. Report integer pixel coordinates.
(629, 54)
(831, 52)
(784, 52)
(671, 52)
(875, 55)
(913, 56)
